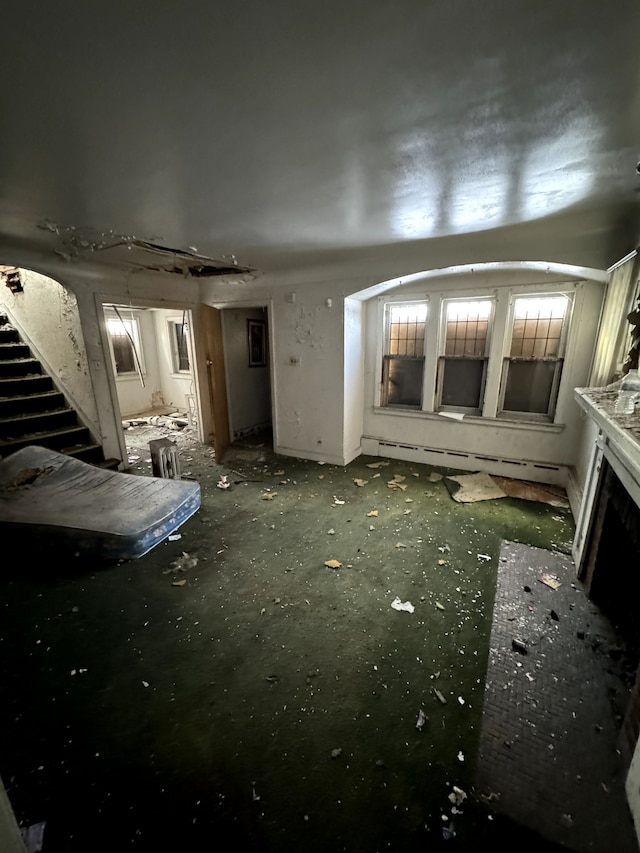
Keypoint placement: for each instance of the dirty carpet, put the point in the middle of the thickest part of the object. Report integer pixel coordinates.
(251, 685)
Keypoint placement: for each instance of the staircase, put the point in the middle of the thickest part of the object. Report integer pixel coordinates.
(33, 411)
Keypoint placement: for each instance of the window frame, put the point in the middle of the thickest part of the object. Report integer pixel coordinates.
(442, 356)
(534, 417)
(112, 317)
(387, 357)
(172, 325)
(502, 297)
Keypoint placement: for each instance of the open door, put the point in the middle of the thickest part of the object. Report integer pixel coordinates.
(212, 322)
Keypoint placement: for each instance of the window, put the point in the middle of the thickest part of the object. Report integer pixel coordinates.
(179, 340)
(403, 360)
(531, 371)
(125, 344)
(488, 354)
(462, 368)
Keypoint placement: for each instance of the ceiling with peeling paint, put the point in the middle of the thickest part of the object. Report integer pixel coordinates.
(282, 135)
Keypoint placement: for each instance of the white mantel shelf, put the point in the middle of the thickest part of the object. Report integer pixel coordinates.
(619, 435)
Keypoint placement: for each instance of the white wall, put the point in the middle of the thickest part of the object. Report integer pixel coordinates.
(133, 396)
(308, 368)
(248, 388)
(354, 352)
(546, 450)
(46, 314)
(174, 387)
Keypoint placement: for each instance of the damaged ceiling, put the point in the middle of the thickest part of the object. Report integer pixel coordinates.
(132, 252)
(374, 137)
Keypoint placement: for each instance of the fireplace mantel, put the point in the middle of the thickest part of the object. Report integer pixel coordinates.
(618, 441)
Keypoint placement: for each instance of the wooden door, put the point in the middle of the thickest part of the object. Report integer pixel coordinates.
(212, 322)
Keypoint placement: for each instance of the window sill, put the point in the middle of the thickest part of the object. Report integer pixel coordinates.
(128, 377)
(477, 420)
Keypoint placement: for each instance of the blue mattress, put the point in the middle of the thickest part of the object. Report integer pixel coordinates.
(63, 503)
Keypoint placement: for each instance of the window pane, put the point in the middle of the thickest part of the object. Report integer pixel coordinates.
(467, 327)
(403, 381)
(537, 326)
(406, 329)
(121, 332)
(463, 381)
(529, 386)
(123, 354)
(182, 351)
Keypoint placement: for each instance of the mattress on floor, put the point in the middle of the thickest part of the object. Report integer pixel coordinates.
(64, 503)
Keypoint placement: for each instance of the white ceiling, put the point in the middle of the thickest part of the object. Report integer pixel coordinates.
(285, 133)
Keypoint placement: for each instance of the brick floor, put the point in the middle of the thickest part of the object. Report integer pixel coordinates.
(549, 745)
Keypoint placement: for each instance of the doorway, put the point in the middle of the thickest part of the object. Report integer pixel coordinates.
(154, 370)
(239, 365)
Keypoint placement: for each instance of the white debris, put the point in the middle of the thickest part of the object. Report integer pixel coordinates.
(457, 795)
(402, 605)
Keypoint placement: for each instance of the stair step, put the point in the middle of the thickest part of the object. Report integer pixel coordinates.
(22, 386)
(14, 426)
(33, 411)
(11, 350)
(45, 401)
(111, 463)
(8, 334)
(20, 367)
(93, 454)
(63, 440)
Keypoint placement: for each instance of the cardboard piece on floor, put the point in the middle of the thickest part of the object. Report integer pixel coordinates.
(541, 492)
(474, 487)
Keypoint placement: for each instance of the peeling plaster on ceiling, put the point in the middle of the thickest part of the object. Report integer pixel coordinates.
(78, 241)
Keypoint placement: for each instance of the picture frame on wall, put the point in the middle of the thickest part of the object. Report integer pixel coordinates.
(257, 342)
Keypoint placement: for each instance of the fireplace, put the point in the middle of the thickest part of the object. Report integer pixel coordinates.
(610, 570)
(607, 541)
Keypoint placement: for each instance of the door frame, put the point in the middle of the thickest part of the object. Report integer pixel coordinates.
(103, 300)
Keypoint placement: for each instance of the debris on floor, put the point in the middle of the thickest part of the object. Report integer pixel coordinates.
(402, 605)
(333, 564)
(176, 420)
(457, 796)
(33, 837)
(439, 696)
(184, 562)
(474, 487)
(549, 580)
(541, 492)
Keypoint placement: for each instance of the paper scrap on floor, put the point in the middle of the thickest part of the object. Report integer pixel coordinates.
(476, 487)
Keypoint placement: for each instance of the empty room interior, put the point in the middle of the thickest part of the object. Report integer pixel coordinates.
(338, 307)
